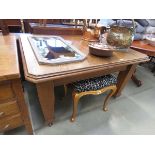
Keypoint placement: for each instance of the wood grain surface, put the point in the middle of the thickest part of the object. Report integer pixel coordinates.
(9, 68)
(143, 47)
(47, 77)
(36, 73)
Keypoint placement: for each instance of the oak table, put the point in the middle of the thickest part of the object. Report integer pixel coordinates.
(13, 109)
(143, 47)
(46, 77)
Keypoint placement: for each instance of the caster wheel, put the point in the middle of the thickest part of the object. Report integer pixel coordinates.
(105, 109)
(72, 119)
(50, 124)
(139, 83)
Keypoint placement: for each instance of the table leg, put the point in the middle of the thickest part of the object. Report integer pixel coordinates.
(46, 98)
(136, 81)
(152, 58)
(17, 87)
(153, 69)
(123, 78)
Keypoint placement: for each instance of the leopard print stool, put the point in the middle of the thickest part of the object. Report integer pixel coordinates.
(93, 86)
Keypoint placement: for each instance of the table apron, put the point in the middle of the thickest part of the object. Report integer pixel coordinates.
(87, 74)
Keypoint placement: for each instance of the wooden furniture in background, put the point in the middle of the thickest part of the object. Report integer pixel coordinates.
(13, 109)
(13, 22)
(4, 27)
(54, 29)
(47, 77)
(48, 21)
(42, 22)
(143, 47)
(33, 25)
(13, 25)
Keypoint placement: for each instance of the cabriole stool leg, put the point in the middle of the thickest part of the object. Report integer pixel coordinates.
(105, 106)
(76, 98)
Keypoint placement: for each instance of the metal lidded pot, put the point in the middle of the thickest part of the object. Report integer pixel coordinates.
(121, 37)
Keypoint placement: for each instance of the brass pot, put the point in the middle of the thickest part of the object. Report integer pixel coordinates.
(120, 36)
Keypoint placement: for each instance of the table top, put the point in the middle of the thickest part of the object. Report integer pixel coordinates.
(143, 47)
(35, 71)
(9, 68)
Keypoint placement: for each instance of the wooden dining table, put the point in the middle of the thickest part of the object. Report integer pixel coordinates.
(46, 77)
(143, 47)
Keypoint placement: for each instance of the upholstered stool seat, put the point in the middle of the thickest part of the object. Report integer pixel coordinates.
(93, 86)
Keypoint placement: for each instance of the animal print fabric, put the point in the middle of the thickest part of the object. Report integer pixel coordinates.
(93, 84)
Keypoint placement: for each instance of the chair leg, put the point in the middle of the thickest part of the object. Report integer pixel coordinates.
(65, 90)
(105, 106)
(76, 98)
